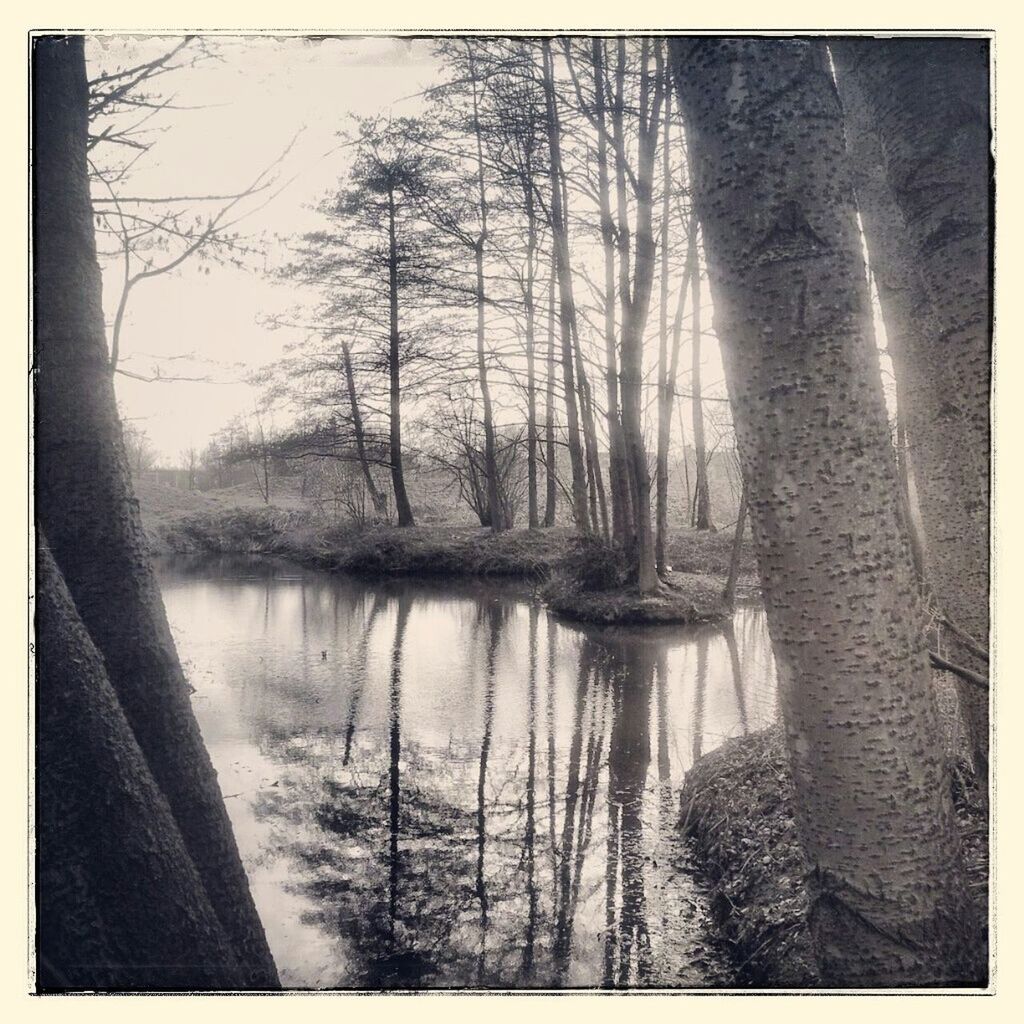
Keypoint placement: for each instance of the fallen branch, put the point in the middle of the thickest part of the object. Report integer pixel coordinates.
(965, 639)
(958, 670)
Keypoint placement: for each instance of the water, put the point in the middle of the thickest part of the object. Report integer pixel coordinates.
(440, 785)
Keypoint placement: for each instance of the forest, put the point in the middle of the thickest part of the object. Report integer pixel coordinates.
(584, 581)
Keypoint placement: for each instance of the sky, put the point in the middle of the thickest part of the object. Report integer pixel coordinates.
(260, 95)
(255, 98)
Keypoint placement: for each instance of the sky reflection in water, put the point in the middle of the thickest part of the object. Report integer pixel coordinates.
(439, 785)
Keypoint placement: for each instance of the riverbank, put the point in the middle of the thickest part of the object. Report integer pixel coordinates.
(736, 807)
(184, 522)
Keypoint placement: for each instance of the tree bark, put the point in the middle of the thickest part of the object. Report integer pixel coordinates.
(119, 902)
(701, 495)
(357, 428)
(729, 593)
(85, 504)
(496, 507)
(623, 526)
(550, 474)
(402, 505)
(666, 399)
(918, 135)
(872, 799)
(635, 297)
(664, 395)
(532, 439)
(567, 312)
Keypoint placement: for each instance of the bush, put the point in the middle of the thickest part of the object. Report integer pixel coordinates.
(591, 565)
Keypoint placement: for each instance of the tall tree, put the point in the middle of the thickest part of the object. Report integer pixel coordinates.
(635, 290)
(563, 275)
(701, 495)
(774, 195)
(85, 505)
(917, 117)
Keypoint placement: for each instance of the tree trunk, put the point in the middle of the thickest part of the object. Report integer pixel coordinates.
(623, 526)
(701, 496)
(85, 504)
(664, 395)
(402, 506)
(918, 134)
(635, 299)
(532, 515)
(357, 427)
(598, 502)
(550, 475)
(729, 593)
(666, 399)
(872, 796)
(120, 904)
(498, 520)
(567, 312)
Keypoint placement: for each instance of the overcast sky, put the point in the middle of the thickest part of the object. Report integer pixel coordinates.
(254, 99)
(204, 320)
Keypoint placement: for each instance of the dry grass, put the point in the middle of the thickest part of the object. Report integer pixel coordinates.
(737, 810)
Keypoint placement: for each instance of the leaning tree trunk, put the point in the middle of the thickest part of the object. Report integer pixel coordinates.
(379, 505)
(119, 902)
(85, 504)
(872, 793)
(918, 133)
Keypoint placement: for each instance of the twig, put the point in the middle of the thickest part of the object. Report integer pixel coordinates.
(958, 670)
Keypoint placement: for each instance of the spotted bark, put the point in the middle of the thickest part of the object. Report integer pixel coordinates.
(85, 503)
(872, 796)
(918, 133)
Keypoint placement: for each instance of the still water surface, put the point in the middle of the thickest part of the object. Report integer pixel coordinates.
(441, 785)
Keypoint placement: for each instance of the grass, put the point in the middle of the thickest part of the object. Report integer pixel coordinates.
(583, 579)
(737, 809)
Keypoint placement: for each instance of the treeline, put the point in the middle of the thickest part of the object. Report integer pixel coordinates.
(494, 275)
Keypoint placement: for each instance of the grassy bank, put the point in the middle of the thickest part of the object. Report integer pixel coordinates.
(737, 810)
(581, 580)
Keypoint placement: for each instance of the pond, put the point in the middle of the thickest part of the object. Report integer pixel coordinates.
(441, 785)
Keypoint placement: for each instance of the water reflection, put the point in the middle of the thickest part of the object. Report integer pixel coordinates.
(445, 787)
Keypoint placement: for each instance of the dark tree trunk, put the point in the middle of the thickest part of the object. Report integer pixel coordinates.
(532, 514)
(729, 593)
(85, 504)
(702, 497)
(635, 298)
(623, 526)
(120, 904)
(357, 428)
(567, 312)
(550, 474)
(888, 900)
(402, 506)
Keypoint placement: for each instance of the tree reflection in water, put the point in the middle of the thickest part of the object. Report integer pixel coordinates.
(465, 793)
